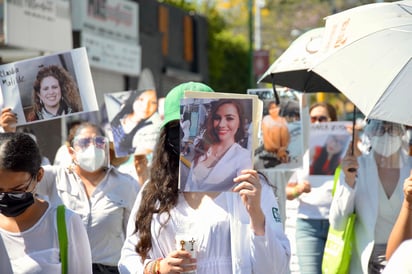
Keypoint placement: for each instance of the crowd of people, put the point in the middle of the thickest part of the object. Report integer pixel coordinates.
(144, 222)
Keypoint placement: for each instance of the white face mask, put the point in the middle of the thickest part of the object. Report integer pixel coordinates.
(91, 159)
(386, 145)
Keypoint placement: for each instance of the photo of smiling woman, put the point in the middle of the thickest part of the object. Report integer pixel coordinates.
(218, 156)
(55, 93)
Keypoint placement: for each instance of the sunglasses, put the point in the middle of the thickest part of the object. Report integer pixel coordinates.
(18, 195)
(83, 143)
(391, 130)
(319, 119)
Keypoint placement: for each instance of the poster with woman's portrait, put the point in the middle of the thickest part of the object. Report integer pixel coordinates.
(48, 87)
(134, 121)
(281, 138)
(328, 143)
(217, 140)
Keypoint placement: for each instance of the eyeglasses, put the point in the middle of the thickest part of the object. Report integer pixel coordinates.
(391, 130)
(319, 119)
(83, 143)
(20, 194)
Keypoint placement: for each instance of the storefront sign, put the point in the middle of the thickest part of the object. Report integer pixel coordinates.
(38, 24)
(112, 55)
(114, 19)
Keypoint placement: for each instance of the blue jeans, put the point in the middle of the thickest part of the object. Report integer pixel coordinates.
(311, 237)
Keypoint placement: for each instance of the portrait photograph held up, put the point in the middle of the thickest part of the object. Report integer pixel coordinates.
(217, 135)
(134, 121)
(48, 87)
(281, 145)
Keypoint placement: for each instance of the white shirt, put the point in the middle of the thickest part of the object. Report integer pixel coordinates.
(36, 250)
(316, 203)
(221, 228)
(364, 200)
(104, 215)
(400, 261)
(219, 177)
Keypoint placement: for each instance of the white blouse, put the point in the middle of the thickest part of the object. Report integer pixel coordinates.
(36, 250)
(215, 235)
(104, 214)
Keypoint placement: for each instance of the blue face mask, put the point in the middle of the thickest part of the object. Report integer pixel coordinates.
(13, 204)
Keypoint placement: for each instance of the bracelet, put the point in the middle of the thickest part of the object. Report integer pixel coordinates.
(148, 268)
(295, 192)
(156, 266)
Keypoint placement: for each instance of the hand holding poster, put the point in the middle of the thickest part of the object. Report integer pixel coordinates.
(48, 87)
(219, 135)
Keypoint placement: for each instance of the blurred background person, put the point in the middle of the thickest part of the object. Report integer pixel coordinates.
(185, 126)
(374, 192)
(312, 222)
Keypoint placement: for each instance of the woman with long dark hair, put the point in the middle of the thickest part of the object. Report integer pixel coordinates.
(229, 232)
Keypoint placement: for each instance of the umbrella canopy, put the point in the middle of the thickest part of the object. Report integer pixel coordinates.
(291, 69)
(366, 53)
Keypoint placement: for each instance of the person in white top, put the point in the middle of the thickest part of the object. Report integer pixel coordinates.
(374, 192)
(97, 191)
(177, 232)
(185, 125)
(28, 231)
(400, 240)
(314, 200)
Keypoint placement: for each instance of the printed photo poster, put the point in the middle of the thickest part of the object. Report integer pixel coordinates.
(217, 139)
(328, 143)
(134, 121)
(48, 87)
(280, 134)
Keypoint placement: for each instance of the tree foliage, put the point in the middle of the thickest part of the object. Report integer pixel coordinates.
(227, 52)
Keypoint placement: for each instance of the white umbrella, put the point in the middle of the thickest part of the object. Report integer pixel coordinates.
(367, 54)
(291, 69)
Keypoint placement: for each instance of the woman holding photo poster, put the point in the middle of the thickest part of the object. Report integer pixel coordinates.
(55, 93)
(221, 233)
(313, 194)
(136, 127)
(218, 156)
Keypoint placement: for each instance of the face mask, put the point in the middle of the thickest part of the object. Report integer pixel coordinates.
(386, 145)
(91, 159)
(14, 204)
